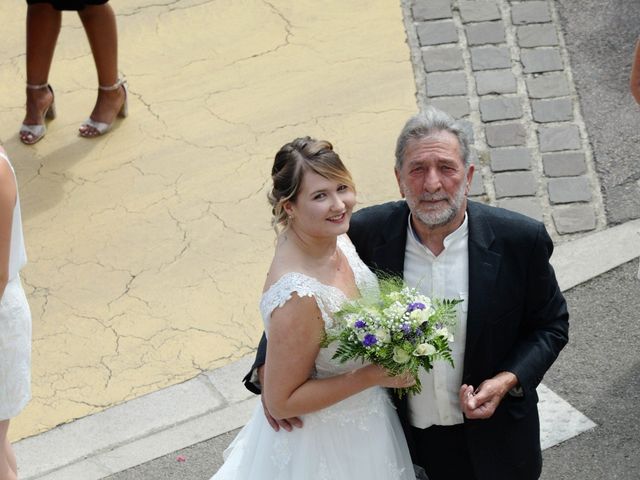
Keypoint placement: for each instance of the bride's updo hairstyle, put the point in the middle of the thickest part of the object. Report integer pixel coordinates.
(292, 161)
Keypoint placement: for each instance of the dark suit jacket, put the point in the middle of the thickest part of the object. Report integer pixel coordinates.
(517, 321)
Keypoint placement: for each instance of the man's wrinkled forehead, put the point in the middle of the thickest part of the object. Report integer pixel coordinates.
(441, 140)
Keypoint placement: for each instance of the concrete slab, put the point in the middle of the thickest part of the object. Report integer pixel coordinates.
(128, 422)
(122, 456)
(580, 260)
(228, 380)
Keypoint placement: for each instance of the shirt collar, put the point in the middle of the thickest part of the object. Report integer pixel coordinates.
(459, 233)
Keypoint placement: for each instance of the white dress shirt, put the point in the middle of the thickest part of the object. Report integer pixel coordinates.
(442, 276)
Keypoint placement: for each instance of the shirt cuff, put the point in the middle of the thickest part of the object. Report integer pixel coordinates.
(255, 379)
(517, 391)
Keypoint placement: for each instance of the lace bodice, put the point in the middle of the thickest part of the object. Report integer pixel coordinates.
(328, 298)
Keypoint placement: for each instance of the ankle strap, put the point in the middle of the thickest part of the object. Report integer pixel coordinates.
(115, 86)
(37, 87)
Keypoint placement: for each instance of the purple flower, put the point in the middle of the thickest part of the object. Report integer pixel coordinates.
(415, 306)
(405, 328)
(360, 324)
(369, 340)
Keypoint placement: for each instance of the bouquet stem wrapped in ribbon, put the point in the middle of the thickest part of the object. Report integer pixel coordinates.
(402, 330)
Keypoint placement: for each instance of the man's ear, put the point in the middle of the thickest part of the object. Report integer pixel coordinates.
(395, 170)
(470, 171)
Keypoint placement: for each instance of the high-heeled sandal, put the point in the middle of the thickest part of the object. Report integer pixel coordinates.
(30, 134)
(100, 128)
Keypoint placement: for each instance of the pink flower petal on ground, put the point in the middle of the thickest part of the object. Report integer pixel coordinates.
(181, 458)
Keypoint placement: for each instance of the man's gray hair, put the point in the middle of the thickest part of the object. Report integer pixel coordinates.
(427, 123)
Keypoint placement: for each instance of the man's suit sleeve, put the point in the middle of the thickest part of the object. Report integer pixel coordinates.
(545, 328)
(251, 379)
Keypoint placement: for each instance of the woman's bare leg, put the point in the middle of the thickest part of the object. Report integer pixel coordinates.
(43, 27)
(8, 469)
(99, 23)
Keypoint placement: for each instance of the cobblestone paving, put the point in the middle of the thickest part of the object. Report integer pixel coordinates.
(502, 68)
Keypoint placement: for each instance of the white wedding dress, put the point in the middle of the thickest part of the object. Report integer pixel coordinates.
(359, 438)
(15, 325)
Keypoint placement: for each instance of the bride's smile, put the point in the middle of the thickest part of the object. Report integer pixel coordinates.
(322, 207)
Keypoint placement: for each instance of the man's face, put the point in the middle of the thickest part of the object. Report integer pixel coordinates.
(434, 181)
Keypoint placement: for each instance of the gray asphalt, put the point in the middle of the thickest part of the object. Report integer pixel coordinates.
(201, 461)
(599, 371)
(600, 36)
(599, 374)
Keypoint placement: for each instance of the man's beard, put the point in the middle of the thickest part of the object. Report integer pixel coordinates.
(437, 218)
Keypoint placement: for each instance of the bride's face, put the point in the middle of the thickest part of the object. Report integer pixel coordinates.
(323, 207)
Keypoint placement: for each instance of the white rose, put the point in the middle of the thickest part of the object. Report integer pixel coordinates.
(424, 350)
(382, 335)
(400, 356)
(420, 316)
(444, 332)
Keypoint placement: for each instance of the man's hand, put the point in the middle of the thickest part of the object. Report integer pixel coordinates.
(482, 403)
(287, 423)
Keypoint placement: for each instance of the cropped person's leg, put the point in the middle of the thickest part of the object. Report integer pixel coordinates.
(99, 22)
(8, 470)
(43, 27)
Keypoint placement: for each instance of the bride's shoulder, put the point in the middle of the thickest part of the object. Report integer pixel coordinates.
(292, 288)
(286, 267)
(277, 279)
(285, 274)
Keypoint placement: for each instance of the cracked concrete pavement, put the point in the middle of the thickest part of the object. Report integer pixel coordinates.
(147, 247)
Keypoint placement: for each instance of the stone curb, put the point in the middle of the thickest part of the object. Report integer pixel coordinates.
(142, 429)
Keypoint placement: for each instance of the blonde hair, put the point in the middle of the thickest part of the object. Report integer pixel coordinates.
(292, 161)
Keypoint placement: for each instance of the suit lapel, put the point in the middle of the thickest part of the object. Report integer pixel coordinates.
(388, 256)
(484, 265)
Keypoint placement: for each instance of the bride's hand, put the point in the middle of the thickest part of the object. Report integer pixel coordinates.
(383, 378)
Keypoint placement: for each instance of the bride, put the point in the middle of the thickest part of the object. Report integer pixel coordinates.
(351, 430)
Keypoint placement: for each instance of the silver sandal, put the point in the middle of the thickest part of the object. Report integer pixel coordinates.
(101, 127)
(30, 134)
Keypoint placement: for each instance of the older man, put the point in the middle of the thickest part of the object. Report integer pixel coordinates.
(478, 419)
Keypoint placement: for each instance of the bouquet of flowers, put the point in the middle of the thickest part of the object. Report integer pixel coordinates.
(402, 330)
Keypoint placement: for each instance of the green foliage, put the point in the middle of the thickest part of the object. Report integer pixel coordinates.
(400, 330)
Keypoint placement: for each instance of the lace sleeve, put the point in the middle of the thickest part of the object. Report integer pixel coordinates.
(281, 292)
